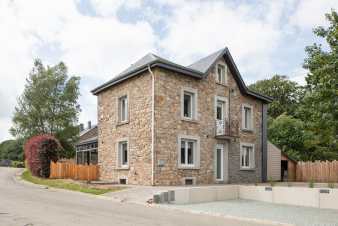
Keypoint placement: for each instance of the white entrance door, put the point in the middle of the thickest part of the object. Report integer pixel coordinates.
(221, 163)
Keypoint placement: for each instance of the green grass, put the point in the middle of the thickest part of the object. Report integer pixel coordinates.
(59, 183)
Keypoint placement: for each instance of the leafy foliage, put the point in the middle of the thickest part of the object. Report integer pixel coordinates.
(319, 108)
(285, 93)
(12, 150)
(48, 105)
(304, 120)
(39, 152)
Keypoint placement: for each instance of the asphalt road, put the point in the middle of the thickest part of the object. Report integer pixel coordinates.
(28, 205)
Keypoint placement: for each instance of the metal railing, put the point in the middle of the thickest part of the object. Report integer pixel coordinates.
(226, 128)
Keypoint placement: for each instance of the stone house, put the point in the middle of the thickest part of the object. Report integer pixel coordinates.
(161, 123)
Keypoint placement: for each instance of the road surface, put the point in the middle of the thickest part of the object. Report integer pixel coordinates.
(27, 205)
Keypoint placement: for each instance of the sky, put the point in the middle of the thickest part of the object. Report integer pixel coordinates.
(97, 39)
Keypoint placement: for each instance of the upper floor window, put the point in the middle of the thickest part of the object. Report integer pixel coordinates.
(247, 117)
(247, 156)
(123, 109)
(221, 74)
(189, 104)
(123, 155)
(220, 108)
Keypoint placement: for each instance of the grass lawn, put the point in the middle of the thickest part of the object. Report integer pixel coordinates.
(59, 183)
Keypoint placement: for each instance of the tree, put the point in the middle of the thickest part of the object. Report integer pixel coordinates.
(12, 149)
(319, 108)
(286, 94)
(49, 105)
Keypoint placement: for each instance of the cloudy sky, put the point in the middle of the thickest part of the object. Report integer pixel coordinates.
(99, 38)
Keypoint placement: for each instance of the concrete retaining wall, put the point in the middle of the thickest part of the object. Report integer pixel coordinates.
(300, 196)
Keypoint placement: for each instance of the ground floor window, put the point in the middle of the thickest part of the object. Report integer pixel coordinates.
(86, 154)
(123, 155)
(188, 151)
(247, 156)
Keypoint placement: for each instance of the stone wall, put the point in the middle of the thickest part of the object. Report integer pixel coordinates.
(137, 130)
(168, 125)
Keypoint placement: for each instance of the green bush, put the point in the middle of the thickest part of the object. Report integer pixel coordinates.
(18, 164)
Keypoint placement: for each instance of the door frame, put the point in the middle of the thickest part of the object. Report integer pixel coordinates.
(224, 162)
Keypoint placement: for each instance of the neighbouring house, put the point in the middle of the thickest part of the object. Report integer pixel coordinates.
(161, 123)
(274, 162)
(86, 147)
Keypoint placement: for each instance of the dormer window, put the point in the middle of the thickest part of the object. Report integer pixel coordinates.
(221, 76)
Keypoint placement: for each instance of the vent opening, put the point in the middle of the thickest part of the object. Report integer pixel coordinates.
(123, 181)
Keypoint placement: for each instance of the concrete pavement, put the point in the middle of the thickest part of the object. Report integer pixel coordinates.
(26, 205)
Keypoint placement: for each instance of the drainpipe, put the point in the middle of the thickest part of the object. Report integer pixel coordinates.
(152, 124)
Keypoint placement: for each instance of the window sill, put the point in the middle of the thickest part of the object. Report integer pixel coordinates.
(247, 130)
(248, 169)
(122, 123)
(188, 167)
(123, 168)
(189, 120)
(222, 84)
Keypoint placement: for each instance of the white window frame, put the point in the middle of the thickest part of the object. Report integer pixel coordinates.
(196, 152)
(251, 161)
(251, 122)
(194, 103)
(219, 146)
(225, 110)
(224, 79)
(119, 153)
(119, 109)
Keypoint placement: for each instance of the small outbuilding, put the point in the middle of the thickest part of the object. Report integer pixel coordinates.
(288, 168)
(274, 162)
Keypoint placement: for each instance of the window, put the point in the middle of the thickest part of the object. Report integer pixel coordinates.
(221, 74)
(189, 104)
(247, 156)
(123, 109)
(220, 110)
(123, 155)
(188, 155)
(219, 161)
(247, 117)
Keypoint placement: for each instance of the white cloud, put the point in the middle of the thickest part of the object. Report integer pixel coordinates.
(310, 13)
(109, 7)
(95, 48)
(203, 27)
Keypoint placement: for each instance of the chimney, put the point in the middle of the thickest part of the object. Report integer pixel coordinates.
(81, 127)
(89, 124)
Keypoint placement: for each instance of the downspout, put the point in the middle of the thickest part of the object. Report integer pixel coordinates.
(152, 124)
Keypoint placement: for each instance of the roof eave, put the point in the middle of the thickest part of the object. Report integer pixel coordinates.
(176, 68)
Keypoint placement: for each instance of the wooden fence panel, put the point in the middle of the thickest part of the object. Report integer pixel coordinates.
(69, 170)
(318, 171)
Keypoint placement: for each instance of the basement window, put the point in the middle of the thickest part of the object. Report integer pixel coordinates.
(123, 181)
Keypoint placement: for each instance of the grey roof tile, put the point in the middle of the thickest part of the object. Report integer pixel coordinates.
(205, 63)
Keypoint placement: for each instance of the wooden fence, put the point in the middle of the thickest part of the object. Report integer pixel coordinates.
(317, 171)
(69, 170)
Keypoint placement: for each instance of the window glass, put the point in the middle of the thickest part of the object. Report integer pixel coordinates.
(247, 117)
(182, 152)
(123, 153)
(187, 105)
(218, 163)
(247, 157)
(123, 109)
(220, 110)
(221, 73)
(187, 152)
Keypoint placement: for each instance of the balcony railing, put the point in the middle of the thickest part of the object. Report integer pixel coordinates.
(224, 128)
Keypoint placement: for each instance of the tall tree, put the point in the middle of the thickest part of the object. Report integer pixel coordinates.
(49, 105)
(319, 108)
(285, 93)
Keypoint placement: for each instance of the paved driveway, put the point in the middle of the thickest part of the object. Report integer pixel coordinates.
(22, 204)
(296, 215)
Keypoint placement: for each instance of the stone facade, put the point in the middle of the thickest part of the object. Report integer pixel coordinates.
(168, 126)
(137, 130)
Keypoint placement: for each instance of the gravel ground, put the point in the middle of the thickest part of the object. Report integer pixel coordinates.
(300, 216)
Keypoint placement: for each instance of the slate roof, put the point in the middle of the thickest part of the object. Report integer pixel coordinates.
(199, 70)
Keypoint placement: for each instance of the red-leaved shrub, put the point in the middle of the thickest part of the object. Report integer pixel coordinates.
(39, 151)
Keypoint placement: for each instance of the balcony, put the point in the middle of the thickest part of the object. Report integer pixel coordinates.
(226, 130)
